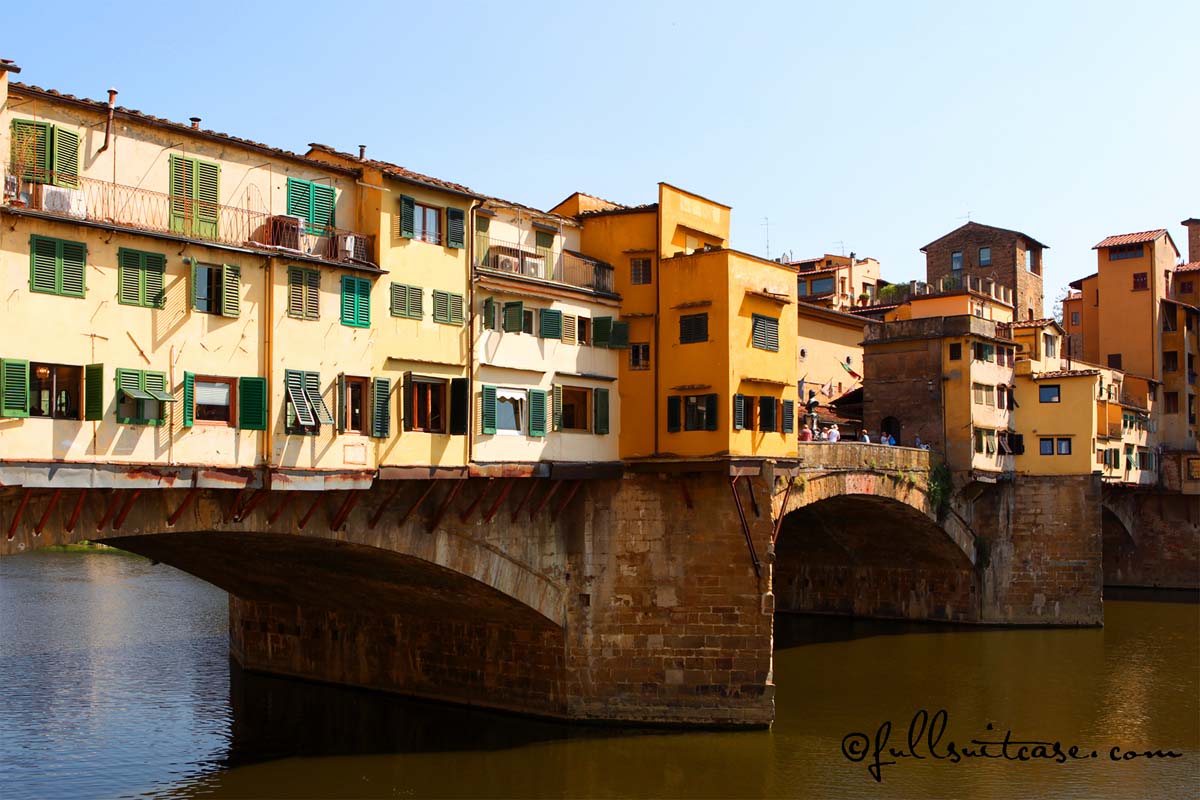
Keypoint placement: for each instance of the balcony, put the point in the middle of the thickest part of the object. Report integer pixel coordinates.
(565, 267)
(91, 200)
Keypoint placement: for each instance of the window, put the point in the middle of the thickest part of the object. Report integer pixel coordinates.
(700, 412)
(1074, 318)
(1114, 361)
(140, 278)
(407, 301)
(216, 289)
(54, 390)
(822, 286)
(312, 202)
(639, 271)
(1049, 345)
(802, 287)
(1169, 321)
(356, 302)
(424, 404)
(981, 393)
(56, 266)
(956, 261)
(693, 328)
(985, 441)
(985, 256)
(304, 293)
(1186, 287)
(1122, 252)
(585, 331)
(510, 411)
(352, 404)
(1002, 397)
(1170, 361)
(764, 332)
(306, 409)
(527, 321)
(639, 355)
(768, 413)
(570, 329)
(575, 409)
(45, 153)
(550, 323)
(447, 308)
(956, 351)
(983, 352)
(195, 195)
(1049, 394)
(1046, 447)
(426, 223)
(1170, 402)
(1140, 281)
(1064, 447)
(211, 399)
(140, 397)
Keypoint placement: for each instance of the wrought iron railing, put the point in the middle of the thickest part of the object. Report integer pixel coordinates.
(546, 264)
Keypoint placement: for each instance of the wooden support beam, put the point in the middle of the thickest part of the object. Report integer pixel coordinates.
(753, 499)
(77, 511)
(566, 500)
(783, 509)
(466, 515)
(37, 529)
(737, 500)
(533, 484)
(12, 529)
(491, 512)
(112, 509)
(533, 512)
(378, 515)
(188, 499)
(687, 496)
(235, 508)
(284, 501)
(251, 504)
(441, 512)
(343, 513)
(311, 509)
(428, 488)
(125, 509)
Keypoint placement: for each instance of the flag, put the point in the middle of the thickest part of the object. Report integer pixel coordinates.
(853, 374)
(827, 389)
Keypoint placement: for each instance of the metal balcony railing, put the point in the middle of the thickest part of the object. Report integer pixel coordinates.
(546, 264)
(84, 198)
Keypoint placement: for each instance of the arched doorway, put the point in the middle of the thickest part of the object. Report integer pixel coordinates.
(891, 426)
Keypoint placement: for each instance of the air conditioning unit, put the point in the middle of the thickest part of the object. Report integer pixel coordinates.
(535, 265)
(286, 230)
(346, 246)
(508, 263)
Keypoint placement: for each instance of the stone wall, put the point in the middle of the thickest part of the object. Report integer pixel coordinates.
(1151, 539)
(1008, 268)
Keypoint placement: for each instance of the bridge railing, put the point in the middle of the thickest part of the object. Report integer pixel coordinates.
(857, 455)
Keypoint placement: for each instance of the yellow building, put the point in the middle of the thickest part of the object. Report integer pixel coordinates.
(712, 366)
(838, 282)
(828, 352)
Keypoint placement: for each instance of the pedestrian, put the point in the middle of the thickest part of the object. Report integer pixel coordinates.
(805, 433)
(834, 434)
(888, 439)
(866, 437)
(917, 441)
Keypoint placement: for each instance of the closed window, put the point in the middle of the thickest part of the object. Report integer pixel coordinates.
(427, 223)
(356, 302)
(956, 352)
(195, 188)
(956, 261)
(304, 293)
(639, 270)
(693, 328)
(1050, 345)
(1114, 361)
(1074, 318)
(140, 278)
(765, 333)
(802, 287)
(1049, 394)
(1170, 361)
(1140, 281)
(821, 286)
(1063, 447)
(213, 400)
(1186, 287)
(1122, 252)
(575, 416)
(56, 266)
(54, 391)
(427, 402)
(639, 355)
(408, 302)
(985, 256)
(1046, 447)
(1170, 402)
(447, 308)
(699, 412)
(313, 202)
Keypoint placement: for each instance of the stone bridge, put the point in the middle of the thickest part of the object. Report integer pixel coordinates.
(642, 591)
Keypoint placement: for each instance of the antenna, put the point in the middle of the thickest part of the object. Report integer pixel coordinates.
(841, 246)
(967, 217)
(766, 223)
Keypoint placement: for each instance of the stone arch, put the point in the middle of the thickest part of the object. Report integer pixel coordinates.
(1118, 543)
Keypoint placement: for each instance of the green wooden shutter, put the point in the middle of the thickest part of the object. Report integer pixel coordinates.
(295, 292)
(231, 291)
(73, 262)
(407, 401)
(416, 302)
(398, 300)
(340, 402)
(207, 199)
(408, 223)
(189, 399)
(299, 199)
(349, 301)
(441, 306)
(602, 331)
(312, 294)
(294, 383)
(550, 323)
(323, 203)
(129, 277)
(43, 264)
(460, 401)
(710, 419)
(456, 233)
(489, 409)
(381, 410)
(619, 336)
(789, 416)
(362, 311)
(764, 333)
(600, 410)
(482, 241)
(252, 404)
(181, 188)
(66, 158)
(14, 388)
(544, 245)
(514, 317)
(674, 407)
(93, 392)
(312, 391)
(489, 314)
(537, 412)
(556, 407)
(739, 412)
(31, 149)
(154, 268)
(456, 309)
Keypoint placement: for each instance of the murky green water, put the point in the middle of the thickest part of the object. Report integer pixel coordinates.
(115, 682)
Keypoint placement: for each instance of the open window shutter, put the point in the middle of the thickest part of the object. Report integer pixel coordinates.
(312, 294)
(489, 409)
(93, 392)
(312, 390)
(43, 264)
(349, 300)
(231, 291)
(341, 402)
(154, 268)
(456, 309)
(674, 407)
(569, 328)
(181, 184)
(294, 382)
(600, 410)
(556, 406)
(773, 335)
(66, 158)
(129, 277)
(381, 410)
(323, 204)
(74, 263)
(619, 336)
(514, 317)
(208, 197)
(398, 300)
(14, 388)
(789, 416)
(758, 336)
(31, 149)
(766, 413)
(537, 412)
(189, 399)
(408, 401)
(489, 314)
(550, 323)
(155, 383)
(739, 412)
(710, 419)
(252, 404)
(602, 331)
(299, 198)
(455, 228)
(460, 400)
(408, 223)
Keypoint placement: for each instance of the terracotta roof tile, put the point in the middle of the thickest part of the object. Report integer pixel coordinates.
(1064, 373)
(1034, 323)
(1131, 238)
(622, 210)
(397, 171)
(1192, 266)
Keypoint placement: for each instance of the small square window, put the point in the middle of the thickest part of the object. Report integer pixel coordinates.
(1140, 281)
(214, 401)
(985, 256)
(956, 260)
(1049, 394)
(1064, 447)
(510, 411)
(54, 391)
(639, 355)
(1046, 447)
(956, 351)
(575, 409)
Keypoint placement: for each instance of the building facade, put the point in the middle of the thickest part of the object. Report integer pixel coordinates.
(1009, 258)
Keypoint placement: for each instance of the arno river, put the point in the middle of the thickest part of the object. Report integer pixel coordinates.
(115, 681)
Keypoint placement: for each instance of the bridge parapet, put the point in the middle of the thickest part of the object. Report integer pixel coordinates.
(828, 456)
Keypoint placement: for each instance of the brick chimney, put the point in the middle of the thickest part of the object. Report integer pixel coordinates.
(1193, 226)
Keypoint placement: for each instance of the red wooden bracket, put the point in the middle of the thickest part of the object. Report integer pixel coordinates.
(378, 515)
(533, 484)
(37, 529)
(753, 500)
(687, 496)
(491, 512)
(308, 514)
(783, 509)
(236, 508)
(251, 504)
(737, 499)
(533, 512)
(343, 513)
(466, 515)
(12, 529)
(284, 499)
(420, 500)
(125, 509)
(566, 500)
(187, 501)
(437, 519)
(112, 509)
(78, 510)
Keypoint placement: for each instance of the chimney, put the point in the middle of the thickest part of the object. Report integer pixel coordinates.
(362, 152)
(195, 123)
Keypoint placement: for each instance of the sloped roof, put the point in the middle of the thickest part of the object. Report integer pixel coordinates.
(1064, 373)
(1034, 323)
(1191, 266)
(1132, 238)
(397, 171)
(975, 225)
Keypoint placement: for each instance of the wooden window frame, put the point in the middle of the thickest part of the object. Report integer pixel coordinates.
(1043, 389)
(587, 409)
(53, 377)
(424, 385)
(419, 209)
(231, 422)
(636, 360)
(583, 331)
(690, 338)
(60, 288)
(364, 384)
(641, 271)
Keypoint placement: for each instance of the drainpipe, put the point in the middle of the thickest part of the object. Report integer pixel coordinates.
(656, 355)
(112, 99)
(268, 363)
(470, 331)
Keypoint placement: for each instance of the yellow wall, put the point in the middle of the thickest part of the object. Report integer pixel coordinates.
(688, 221)
(824, 341)
(951, 305)
(1073, 418)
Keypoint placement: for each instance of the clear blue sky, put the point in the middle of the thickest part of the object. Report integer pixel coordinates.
(877, 125)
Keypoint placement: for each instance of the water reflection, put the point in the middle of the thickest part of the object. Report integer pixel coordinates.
(117, 683)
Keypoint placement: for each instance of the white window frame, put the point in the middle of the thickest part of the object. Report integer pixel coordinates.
(522, 398)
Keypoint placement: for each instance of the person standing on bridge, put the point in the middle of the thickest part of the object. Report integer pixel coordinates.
(834, 434)
(866, 437)
(805, 433)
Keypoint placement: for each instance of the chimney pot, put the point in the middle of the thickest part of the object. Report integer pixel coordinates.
(362, 152)
(196, 123)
